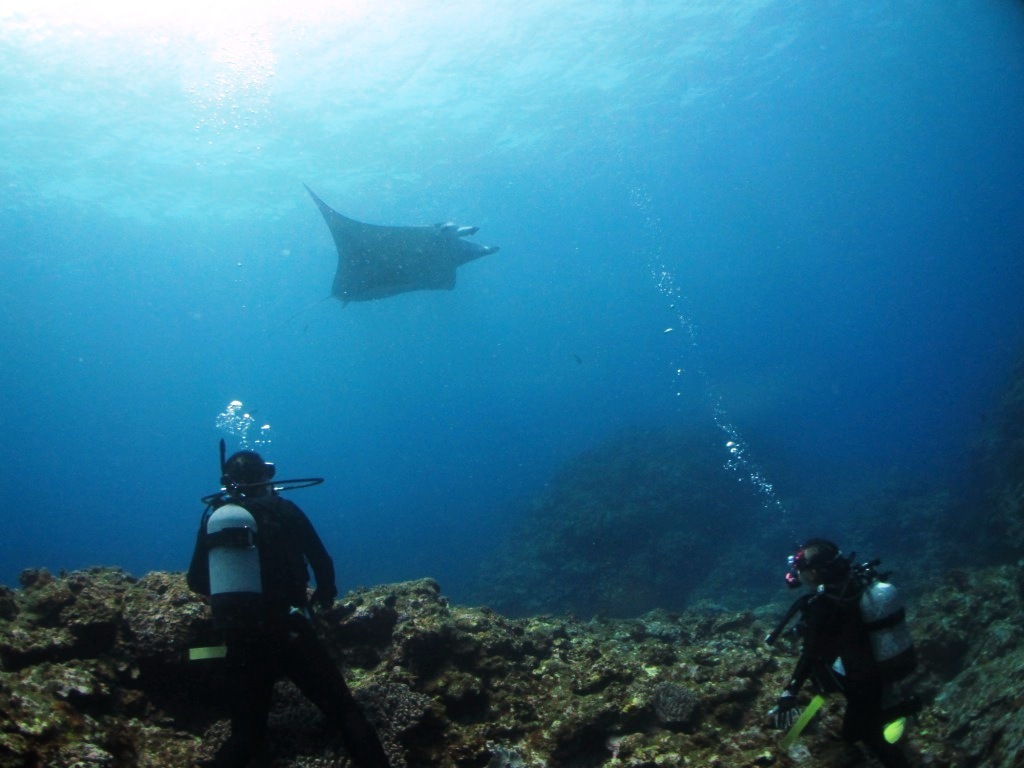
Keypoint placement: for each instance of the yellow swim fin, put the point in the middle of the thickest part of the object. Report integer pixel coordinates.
(893, 732)
(799, 725)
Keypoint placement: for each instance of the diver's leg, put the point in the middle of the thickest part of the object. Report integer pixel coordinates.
(864, 722)
(249, 682)
(313, 670)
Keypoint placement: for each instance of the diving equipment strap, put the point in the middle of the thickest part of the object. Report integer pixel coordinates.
(799, 725)
(209, 652)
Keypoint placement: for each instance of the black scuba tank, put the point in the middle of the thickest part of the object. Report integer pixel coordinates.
(236, 587)
(885, 618)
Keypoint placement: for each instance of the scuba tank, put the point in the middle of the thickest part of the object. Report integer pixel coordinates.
(884, 617)
(236, 587)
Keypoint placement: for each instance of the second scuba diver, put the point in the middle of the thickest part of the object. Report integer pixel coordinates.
(854, 641)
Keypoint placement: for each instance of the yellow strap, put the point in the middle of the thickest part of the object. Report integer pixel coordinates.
(209, 652)
(799, 725)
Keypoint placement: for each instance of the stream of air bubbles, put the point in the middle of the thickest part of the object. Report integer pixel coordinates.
(738, 460)
(242, 426)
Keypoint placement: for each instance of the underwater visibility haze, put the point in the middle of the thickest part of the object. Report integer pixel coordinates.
(798, 225)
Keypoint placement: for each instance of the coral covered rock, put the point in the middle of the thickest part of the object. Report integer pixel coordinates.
(95, 674)
(1000, 463)
(675, 704)
(633, 525)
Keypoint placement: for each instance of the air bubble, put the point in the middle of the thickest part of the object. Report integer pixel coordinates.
(238, 423)
(736, 461)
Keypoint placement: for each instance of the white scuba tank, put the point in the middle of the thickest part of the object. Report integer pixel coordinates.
(236, 587)
(884, 616)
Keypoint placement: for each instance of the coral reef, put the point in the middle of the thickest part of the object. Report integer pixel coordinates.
(675, 704)
(638, 523)
(94, 672)
(999, 462)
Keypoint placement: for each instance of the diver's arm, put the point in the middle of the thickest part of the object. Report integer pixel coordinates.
(817, 618)
(319, 560)
(800, 673)
(198, 577)
(786, 710)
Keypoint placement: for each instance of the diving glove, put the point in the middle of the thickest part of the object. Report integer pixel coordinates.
(324, 598)
(785, 712)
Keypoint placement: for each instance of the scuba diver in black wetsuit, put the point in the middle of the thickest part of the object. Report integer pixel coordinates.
(250, 558)
(855, 641)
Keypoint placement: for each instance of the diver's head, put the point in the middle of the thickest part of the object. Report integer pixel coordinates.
(247, 473)
(817, 562)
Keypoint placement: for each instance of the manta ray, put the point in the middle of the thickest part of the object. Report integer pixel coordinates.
(378, 261)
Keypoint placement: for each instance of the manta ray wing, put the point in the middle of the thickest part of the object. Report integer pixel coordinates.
(378, 261)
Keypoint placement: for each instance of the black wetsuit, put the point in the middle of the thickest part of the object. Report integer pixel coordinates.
(832, 629)
(284, 643)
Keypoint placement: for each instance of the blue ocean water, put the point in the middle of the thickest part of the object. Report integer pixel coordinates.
(833, 192)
